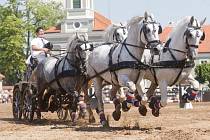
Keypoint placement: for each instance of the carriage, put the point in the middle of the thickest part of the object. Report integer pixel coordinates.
(25, 101)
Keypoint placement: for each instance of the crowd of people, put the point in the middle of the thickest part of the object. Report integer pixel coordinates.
(5, 97)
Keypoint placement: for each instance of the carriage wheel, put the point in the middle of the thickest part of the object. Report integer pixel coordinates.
(62, 113)
(17, 104)
(28, 105)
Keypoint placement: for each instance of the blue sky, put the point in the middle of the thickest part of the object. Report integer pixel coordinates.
(163, 10)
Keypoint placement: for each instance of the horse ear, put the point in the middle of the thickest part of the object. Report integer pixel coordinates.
(77, 35)
(192, 19)
(152, 17)
(203, 36)
(203, 21)
(160, 30)
(145, 15)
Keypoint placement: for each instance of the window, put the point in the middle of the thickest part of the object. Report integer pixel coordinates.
(76, 3)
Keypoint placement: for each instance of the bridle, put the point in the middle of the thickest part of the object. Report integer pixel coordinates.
(144, 31)
(116, 35)
(188, 46)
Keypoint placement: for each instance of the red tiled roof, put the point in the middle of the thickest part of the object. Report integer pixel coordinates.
(53, 30)
(204, 46)
(164, 35)
(100, 22)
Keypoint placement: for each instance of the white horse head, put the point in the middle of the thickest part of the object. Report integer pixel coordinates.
(186, 36)
(148, 29)
(78, 48)
(115, 33)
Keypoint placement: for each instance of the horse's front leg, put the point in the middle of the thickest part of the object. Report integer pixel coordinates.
(150, 92)
(98, 94)
(140, 96)
(88, 108)
(157, 101)
(117, 113)
(153, 100)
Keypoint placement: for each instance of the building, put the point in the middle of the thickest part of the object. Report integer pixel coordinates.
(80, 18)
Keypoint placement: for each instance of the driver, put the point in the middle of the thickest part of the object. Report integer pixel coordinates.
(40, 47)
(38, 50)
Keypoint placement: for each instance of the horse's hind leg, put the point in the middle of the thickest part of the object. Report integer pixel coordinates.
(98, 94)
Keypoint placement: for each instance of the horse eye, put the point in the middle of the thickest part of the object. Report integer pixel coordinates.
(148, 30)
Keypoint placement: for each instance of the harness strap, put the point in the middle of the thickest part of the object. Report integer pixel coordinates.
(177, 77)
(172, 55)
(56, 76)
(155, 76)
(131, 53)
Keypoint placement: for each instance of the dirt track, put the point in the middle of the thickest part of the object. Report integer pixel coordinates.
(173, 124)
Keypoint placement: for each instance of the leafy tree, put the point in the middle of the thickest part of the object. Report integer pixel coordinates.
(203, 73)
(11, 44)
(42, 13)
(18, 19)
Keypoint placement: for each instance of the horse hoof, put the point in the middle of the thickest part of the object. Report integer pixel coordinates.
(74, 123)
(155, 112)
(125, 108)
(143, 110)
(105, 124)
(116, 115)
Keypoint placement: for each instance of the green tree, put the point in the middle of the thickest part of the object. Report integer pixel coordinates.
(11, 43)
(203, 73)
(41, 13)
(18, 19)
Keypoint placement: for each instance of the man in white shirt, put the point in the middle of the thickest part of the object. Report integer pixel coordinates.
(37, 45)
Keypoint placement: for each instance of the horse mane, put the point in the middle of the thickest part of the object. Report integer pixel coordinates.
(73, 41)
(134, 20)
(109, 32)
(180, 26)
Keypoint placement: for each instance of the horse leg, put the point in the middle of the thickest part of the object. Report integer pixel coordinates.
(160, 102)
(153, 100)
(190, 79)
(82, 106)
(73, 109)
(117, 113)
(140, 96)
(98, 94)
(151, 90)
(88, 108)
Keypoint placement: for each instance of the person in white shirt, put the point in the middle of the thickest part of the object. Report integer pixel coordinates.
(37, 45)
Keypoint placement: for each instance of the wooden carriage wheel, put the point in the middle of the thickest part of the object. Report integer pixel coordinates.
(17, 104)
(62, 113)
(28, 105)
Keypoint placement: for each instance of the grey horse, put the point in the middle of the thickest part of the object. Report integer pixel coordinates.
(62, 77)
